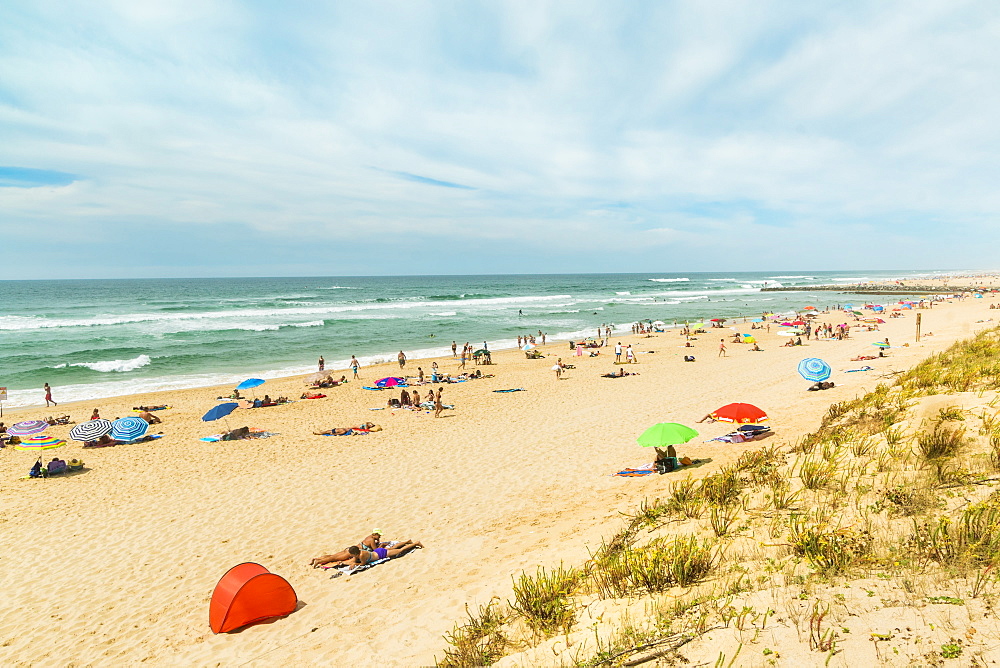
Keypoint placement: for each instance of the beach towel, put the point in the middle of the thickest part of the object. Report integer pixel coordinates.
(346, 570)
(513, 389)
(735, 437)
(633, 473)
(864, 368)
(351, 432)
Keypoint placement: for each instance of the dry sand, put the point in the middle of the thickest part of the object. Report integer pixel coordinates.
(116, 565)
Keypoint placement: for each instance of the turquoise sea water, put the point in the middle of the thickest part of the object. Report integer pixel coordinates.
(99, 338)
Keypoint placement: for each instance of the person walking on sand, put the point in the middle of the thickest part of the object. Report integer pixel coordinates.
(322, 363)
(618, 352)
(438, 406)
(464, 357)
(629, 355)
(48, 396)
(454, 349)
(558, 368)
(722, 347)
(402, 359)
(354, 365)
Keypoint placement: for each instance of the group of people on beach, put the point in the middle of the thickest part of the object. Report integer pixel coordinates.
(371, 549)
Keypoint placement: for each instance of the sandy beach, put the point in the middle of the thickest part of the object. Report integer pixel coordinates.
(116, 565)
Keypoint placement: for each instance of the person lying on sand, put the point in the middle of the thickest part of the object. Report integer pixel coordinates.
(861, 358)
(820, 386)
(149, 417)
(361, 557)
(337, 558)
(349, 431)
(159, 407)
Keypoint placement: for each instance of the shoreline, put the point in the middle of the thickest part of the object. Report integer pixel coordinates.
(222, 380)
(499, 485)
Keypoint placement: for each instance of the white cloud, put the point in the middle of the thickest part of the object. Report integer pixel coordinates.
(762, 117)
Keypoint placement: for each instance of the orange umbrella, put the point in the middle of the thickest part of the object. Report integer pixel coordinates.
(742, 413)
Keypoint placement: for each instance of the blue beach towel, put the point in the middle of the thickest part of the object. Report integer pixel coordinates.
(513, 389)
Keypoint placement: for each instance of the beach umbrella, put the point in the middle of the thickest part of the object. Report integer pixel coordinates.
(27, 428)
(39, 442)
(718, 320)
(481, 351)
(808, 308)
(878, 309)
(659, 323)
(881, 344)
(798, 323)
(390, 381)
(757, 320)
(741, 413)
(129, 428)
(857, 312)
(664, 434)
(91, 430)
(219, 412)
(528, 346)
(814, 369)
(250, 383)
(749, 339)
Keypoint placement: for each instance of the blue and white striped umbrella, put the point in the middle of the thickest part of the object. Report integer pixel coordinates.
(91, 430)
(814, 369)
(27, 428)
(129, 428)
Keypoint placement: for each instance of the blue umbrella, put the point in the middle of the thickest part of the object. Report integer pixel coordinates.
(814, 369)
(218, 412)
(128, 428)
(250, 383)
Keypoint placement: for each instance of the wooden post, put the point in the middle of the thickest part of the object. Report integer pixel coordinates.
(918, 327)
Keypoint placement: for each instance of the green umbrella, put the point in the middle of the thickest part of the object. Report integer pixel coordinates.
(696, 325)
(664, 434)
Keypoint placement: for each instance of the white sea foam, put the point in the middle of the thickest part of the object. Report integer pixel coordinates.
(119, 366)
(338, 287)
(444, 314)
(669, 280)
(626, 292)
(733, 280)
(21, 323)
(809, 277)
(311, 323)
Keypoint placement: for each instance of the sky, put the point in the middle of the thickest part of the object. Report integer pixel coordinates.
(204, 138)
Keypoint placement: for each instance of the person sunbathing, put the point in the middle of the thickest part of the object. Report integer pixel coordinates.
(149, 417)
(103, 441)
(361, 557)
(337, 558)
(159, 407)
(861, 358)
(349, 431)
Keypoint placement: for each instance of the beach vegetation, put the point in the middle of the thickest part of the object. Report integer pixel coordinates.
(910, 503)
(544, 600)
(479, 641)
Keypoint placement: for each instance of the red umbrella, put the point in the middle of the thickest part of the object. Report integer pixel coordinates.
(742, 413)
(799, 322)
(717, 320)
(809, 308)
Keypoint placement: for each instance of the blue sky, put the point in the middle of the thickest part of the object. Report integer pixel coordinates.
(200, 138)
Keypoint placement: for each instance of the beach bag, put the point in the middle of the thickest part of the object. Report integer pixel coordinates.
(689, 358)
(666, 465)
(58, 466)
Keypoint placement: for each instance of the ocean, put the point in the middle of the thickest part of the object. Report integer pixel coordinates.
(98, 338)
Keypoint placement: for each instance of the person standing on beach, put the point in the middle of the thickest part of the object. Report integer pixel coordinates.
(462, 365)
(629, 355)
(322, 363)
(48, 396)
(454, 349)
(557, 367)
(354, 365)
(722, 347)
(438, 406)
(618, 352)
(402, 359)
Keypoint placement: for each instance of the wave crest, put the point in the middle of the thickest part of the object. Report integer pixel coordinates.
(116, 366)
